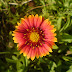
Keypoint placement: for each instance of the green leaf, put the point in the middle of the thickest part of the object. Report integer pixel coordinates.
(14, 57)
(55, 47)
(67, 58)
(4, 52)
(59, 67)
(70, 69)
(53, 66)
(19, 66)
(66, 25)
(44, 8)
(66, 3)
(59, 23)
(70, 48)
(10, 60)
(66, 37)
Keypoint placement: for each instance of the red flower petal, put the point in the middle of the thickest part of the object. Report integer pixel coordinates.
(29, 54)
(18, 37)
(37, 53)
(23, 48)
(31, 20)
(26, 51)
(33, 54)
(35, 19)
(47, 48)
(39, 21)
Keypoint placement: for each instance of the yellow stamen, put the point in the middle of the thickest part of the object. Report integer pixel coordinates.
(41, 31)
(40, 43)
(27, 29)
(36, 45)
(43, 39)
(33, 27)
(34, 36)
(27, 43)
(43, 34)
(33, 47)
(24, 34)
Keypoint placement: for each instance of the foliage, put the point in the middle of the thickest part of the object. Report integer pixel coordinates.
(59, 13)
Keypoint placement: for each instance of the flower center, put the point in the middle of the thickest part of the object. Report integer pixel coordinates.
(34, 36)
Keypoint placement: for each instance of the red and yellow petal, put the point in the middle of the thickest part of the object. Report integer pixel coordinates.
(54, 39)
(39, 21)
(50, 43)
(23, 23)
(26, 51)
(37, 53)
(29, 54)
(42, 53)
(26, 21)
(47, 48)
(18, 37)
(53, 30)
(44, 24)
(35, 19)
(45, 51)
(22, 49)
(33, 54)
(31, 20)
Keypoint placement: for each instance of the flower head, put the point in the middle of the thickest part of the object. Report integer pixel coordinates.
(35, 36)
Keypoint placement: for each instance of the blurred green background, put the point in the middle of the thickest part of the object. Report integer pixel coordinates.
(59, 12)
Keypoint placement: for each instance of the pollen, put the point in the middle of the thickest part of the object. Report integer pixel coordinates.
(34, 36)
